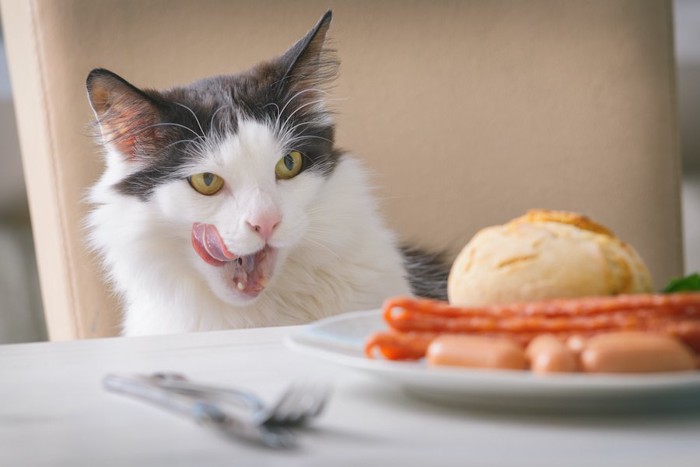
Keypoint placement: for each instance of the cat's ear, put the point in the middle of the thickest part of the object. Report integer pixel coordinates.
(309, 66)
(127, 116)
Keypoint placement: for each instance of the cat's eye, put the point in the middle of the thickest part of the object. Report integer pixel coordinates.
(289, 166)
(206, 183)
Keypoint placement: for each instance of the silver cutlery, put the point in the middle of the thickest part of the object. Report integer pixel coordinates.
(298, 405)
(269, 426)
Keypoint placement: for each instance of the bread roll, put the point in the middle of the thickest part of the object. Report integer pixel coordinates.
(542, 255)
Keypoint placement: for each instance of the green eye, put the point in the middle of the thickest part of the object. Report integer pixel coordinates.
(289, 166)
(206, 183)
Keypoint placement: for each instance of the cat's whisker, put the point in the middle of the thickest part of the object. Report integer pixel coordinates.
(303, 137)
(290, 100)
(301, 107)
(154, 125)
(131, 133)
(289, 132)
(303, 91)
(319, 244)
(211, 120)
(307, 158)
(321, 122)
(326, 213)
(178, 142)
(325, 228)
(277, 107)
(193, 114)
(290, 141)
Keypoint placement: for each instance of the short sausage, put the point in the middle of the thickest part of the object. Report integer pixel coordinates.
(476, 352)
(635, 352)
(547, 354)
(576, 343)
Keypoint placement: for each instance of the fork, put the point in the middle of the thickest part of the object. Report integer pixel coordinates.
(202, 411)
(269, 426)
(298, 405)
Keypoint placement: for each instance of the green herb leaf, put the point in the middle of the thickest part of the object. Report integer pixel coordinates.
(689, 283)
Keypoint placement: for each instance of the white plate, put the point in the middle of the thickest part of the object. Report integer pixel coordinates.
(340, 339)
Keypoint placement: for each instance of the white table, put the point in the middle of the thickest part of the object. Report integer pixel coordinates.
(53, 411)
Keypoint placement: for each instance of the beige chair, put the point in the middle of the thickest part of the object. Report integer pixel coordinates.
(469, 113)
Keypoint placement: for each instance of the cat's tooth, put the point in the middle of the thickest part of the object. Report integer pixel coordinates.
(240, 279)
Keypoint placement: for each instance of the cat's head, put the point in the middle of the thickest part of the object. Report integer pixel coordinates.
(231, 164)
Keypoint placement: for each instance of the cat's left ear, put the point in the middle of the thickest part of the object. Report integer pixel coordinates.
(309, 66)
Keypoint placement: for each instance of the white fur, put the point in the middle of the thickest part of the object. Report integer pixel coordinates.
(335, 253)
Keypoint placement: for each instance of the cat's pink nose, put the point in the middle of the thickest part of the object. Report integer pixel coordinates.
(264, 224)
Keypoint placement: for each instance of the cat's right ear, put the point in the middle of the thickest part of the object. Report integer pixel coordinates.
(127, 116)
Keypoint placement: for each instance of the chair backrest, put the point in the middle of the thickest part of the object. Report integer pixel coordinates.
(469, 113)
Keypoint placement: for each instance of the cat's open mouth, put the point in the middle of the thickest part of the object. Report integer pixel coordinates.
(249, 274)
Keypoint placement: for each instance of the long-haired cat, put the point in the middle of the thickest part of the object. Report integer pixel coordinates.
(225, 204)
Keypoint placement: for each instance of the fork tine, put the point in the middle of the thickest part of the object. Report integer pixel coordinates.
(280, 410)
(299, 403)
(322, 396)
(295, 406)
(299, 406)
(315, 399)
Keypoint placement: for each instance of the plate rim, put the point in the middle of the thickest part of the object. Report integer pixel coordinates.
(516, 379)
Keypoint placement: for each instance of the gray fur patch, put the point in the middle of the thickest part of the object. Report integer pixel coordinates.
(427, 272)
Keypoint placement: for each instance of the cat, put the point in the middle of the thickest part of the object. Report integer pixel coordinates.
(225, 203)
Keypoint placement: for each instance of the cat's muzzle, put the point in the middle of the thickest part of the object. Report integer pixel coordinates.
(248, 275)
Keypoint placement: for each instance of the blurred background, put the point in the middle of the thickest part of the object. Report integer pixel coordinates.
(21, 318)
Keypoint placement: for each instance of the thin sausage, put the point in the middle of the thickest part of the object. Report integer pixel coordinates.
(635, 352)
(547, 354)
(476, 352)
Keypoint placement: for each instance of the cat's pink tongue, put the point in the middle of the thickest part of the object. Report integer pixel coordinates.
(209, 246)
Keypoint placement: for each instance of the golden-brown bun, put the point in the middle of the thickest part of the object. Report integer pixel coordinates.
(545, 254)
